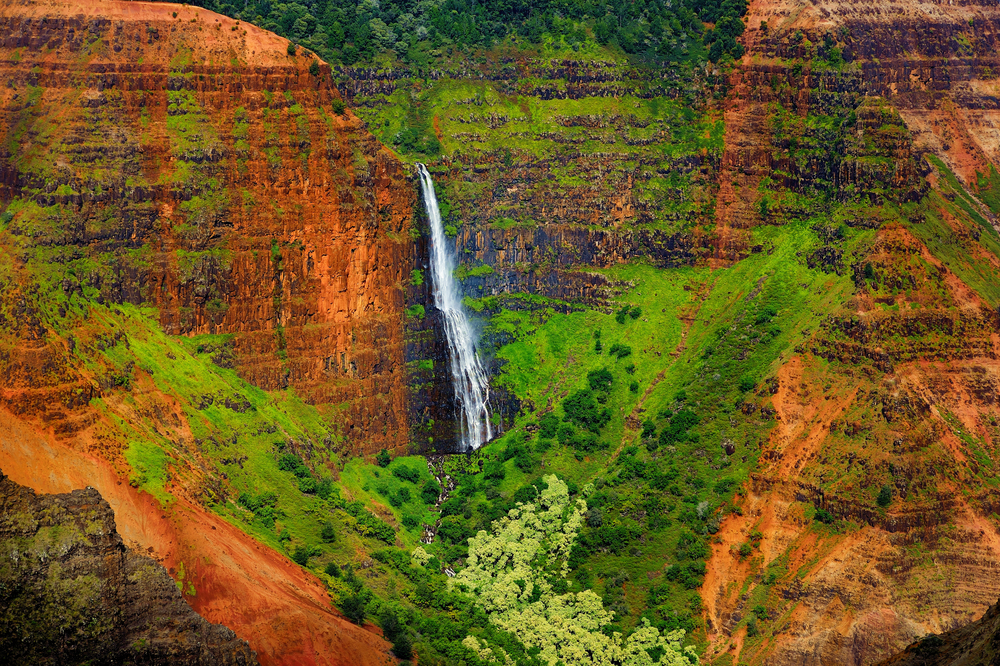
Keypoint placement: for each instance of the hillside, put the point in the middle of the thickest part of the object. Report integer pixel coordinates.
(740, 300)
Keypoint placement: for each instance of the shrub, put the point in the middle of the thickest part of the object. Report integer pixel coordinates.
(291, 49)
(332, 570)
(324, 488)
(619, 350)
(353, 608)
(689, 575)
(402, 647)
(451, 507)
(752, 627)
(648, 429)
(338, 107)
(404, 473)
(746, 384)
(635, 312)
(548, 425)
(368, 524)
(723, 486)
(257, 502)
(824, 516)
(691, 547)
(289, 462)
(314, 68)
(453, 531)
(582, 410)
(494, 470)
(307, 485)
(327, 533)
(634, 387)
(885, 496)
(600, 380)
(382, 458)
(301, 556)
(392, 628)
(622, 315)
(677, 429)
(745, 550)
(410, 521)
(430, 492)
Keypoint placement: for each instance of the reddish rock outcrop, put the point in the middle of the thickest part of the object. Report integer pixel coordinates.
(847, 98)
(210, 170)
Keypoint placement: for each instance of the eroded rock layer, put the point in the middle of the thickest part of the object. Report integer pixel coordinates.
(171, 157)
(873, 108)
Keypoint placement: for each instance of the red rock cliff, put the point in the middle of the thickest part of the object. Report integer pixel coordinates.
(210, 169)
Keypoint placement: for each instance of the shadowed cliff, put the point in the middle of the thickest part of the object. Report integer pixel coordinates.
(72, 593)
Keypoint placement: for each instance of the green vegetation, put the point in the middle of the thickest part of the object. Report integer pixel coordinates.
(353, 31)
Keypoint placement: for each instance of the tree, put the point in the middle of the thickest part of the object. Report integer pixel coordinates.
(353, 607)
(509, 574)
(327, 533)
(402, 647)
(314, 68)
(885, 496)
(382, 458)
(291, 49)
(301, 556)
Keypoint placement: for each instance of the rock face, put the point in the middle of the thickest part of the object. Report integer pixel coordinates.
(856, 102)
(975, 644)
(72, 593)
(171, 157)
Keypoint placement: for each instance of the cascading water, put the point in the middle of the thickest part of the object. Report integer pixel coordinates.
(472, 389)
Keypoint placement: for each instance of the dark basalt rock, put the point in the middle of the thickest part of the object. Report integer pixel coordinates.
(71, 592)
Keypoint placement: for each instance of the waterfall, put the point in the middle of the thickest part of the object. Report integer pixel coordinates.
(472, 389)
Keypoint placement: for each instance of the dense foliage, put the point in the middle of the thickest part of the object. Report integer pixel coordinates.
(353, 31)
(514, 575)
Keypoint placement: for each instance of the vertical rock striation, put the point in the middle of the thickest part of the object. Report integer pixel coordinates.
(161, 155)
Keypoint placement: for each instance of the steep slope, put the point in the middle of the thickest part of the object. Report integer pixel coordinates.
(859, 139)
(171, 157)
(975, 643)
(73, 593)
(189, 217)
(227, 577)
(893, 397)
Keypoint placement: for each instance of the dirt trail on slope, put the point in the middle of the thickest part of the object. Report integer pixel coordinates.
(280, 609)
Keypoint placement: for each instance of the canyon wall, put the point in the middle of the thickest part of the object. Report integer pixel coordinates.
(187, 207)
(870, 108)
(170, 157)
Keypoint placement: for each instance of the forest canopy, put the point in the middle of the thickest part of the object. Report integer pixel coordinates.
(512, 574)
(356, 31)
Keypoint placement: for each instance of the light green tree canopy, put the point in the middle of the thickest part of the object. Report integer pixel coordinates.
(508, 574)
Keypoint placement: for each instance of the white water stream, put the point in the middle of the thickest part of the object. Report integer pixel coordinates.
(472, 388)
